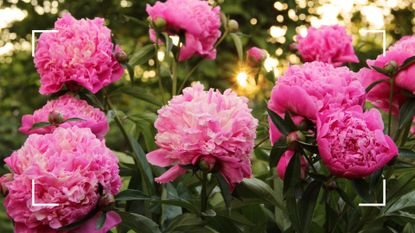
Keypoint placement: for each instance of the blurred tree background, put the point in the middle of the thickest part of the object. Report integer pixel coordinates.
(269, 24)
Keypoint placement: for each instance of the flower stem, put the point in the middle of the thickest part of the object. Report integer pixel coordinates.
(157, 64)
(392, 84)
(203, 194)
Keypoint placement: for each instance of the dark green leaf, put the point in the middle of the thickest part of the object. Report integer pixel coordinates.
(131, 195)
(409, 228)
(406, 153)
(372, 85)
(380, 70)
(406, 112)
(238, 45)
(279, 122)
(362, 188)
(101, 220)
(292, 174)
(139, 223)
(130, 71)
(224, 188)
(289, 122)
(345, 198)
(209, 213)
(404, 203)
(408, 62)
(40, 125)
(178, 202)
(256, 189)
(277, 151)
(142, 55)
(308, 203)
(184, 222)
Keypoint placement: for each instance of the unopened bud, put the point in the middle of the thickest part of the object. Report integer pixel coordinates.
(233, 25)
(3, 188)
(207, 164)
(160, 23)
(256, 56)
(121, 56)
(293, 138)
(391, 67)
(55, 118)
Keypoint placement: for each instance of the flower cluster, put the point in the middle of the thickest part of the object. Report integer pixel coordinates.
(330, 44)
(207, 126)
(80, 53)
(69, 107)
(195, 19)
(68, 166)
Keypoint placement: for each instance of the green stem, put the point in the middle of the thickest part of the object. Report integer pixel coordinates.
(203, 194)
(392, 83)
(157, 64)
(174, 77)
(261, 142)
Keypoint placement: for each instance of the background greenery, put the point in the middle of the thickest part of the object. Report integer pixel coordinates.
(267, 23)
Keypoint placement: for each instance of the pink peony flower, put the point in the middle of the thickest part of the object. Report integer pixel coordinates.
(330, 44)
(314, 87)
(80, 53)
(352, 143)
(70, 107)
(207, 126)
(199, 22)
(67, 165)
(256, 55)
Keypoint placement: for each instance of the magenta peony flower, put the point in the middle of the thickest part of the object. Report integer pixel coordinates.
(67, 165)
(80, 53)
(207, 126)
(314, 87)
(330, 44)
(199, 22)
(256, 55)
(70, 107)
(352, 143)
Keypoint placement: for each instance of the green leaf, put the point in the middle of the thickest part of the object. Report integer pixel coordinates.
(277, 151)
(406, 112)
(404, 203)
(130, 71)
(408, 62)
(40, 125)
(143, 54)
(257, 189)
(224, 188)
(308, 203)
(409, 228)
(380, 70)
(73, 119)
(209, 213)
(362, 188)
(179, 202)
(345, 198)
(184, 222)
(289, 122)
(139, 93)
(279, 122)
(238, 45)
(139, 223)
(131, 195)
(101, 220)
(372, 85)
(292, 174)
(406, 153)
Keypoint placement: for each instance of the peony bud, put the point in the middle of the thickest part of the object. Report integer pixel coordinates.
(391, 67)
(121, 56)
(55, 118)
(304, 124)
(256, 56)
(233, 25)
(293, 138)
(160, 23)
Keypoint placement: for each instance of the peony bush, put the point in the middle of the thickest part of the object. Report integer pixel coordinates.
(332, 134)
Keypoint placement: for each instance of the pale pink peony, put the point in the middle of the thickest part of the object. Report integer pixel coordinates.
(199, 22)
(256, 55)
(352, 143)
(330, 44)
(80, 53)
(314, 87)
(205, 125)
(67, 165)
(70, 107)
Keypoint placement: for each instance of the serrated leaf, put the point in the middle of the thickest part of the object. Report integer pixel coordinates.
(238, 45)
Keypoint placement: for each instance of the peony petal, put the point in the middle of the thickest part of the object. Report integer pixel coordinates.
(112, 220)
(159, 158)
(171, 174)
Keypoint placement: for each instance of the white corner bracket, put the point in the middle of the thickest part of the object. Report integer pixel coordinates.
(33, 38)
(40, 204)
(377, 204)
(365, 31)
